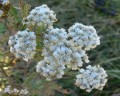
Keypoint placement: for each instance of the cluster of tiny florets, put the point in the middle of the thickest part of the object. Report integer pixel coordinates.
(60, 50)
(14, 91)
(84, 37)
(23, 44)
(91, 78)
(77, 58)
(41, 15)
(50, 70)
(5, 2)
(55, 41)
(58, 53)
(54, 53)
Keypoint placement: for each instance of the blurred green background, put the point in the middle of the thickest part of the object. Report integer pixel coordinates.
(105, 16)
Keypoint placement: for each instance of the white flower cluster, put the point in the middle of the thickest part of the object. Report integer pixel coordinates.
(61, 49)
(23, 44)
(5, 2)
(14, 91)
(77, 58)
(54, 51)
(91, 78)
(50, 70)
(55, 41)
(83, 36)
(57, 53)
(40, 15)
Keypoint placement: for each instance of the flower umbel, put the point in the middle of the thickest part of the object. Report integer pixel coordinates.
(14, 91)
(54, 53)
(40, 15)
(59, 49)
(5, 2)
(84, 37)
(23, 44)
(92, 78)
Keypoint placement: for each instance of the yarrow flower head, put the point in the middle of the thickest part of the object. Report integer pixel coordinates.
(7, 89)
(50, 70)
(57, 53)
(14, 91)
(58, 43)
(23, 44)
(55, 36)
(84, 37)
(55, 41)
(91, 78)
(54, 53)
(40, 15)
(23, 92)
(77, 58)
(5, 2)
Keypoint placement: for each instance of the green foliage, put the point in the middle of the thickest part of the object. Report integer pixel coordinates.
(2, 28)
(14, 18)
(38, 86)
(16, 15)
(25, 8)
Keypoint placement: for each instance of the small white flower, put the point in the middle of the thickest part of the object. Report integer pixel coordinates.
(56, 54)
(23, 44)
(5, 2)
(41, 15)
(84, 37)
(76, 58)
(50, 70)
(24, 91)
(91, 78)
(15, 91)
(7, 89)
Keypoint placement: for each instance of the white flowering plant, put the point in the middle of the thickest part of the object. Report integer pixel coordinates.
(56, 50)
